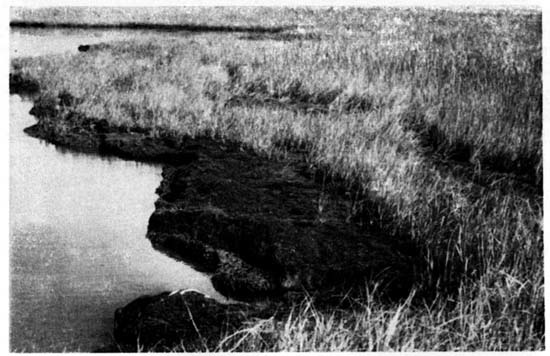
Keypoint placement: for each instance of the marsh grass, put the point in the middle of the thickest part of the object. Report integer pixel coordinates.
(463, 324)
(376, 103)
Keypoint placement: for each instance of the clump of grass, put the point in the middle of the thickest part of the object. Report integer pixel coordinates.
(377, 103)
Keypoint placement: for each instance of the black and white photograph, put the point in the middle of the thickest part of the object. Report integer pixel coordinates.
(278, 177)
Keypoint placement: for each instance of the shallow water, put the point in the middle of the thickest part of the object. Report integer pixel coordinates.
(77, 233)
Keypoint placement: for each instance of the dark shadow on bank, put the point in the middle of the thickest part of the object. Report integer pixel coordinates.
(518, 174)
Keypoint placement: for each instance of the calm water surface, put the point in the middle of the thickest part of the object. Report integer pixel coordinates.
(77, 230)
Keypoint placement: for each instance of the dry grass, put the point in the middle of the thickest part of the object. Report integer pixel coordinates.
(379, 102)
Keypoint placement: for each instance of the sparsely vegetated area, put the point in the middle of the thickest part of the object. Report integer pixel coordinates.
(431, 120)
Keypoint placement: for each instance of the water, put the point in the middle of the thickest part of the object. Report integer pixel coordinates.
(32, 42)
(77, 232)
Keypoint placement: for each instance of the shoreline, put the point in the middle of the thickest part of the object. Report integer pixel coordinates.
(252, 257)
(205, 164)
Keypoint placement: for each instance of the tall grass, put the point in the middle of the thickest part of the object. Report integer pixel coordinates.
(379, 100)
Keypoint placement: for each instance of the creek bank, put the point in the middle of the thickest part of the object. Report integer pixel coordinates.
(264, 228)
(22, 84)
(59, 124)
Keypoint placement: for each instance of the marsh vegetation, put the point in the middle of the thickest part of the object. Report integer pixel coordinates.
(430, 120)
